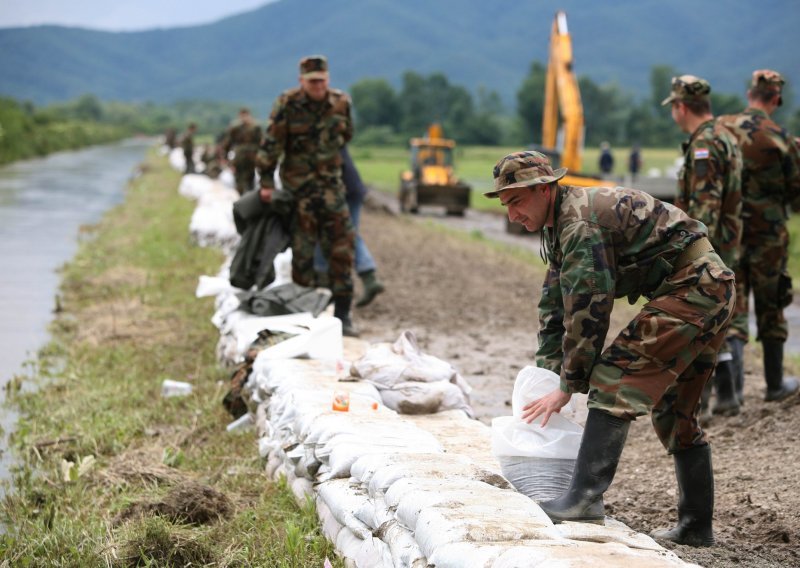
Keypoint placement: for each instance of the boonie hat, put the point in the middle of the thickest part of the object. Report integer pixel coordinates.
(767, 79)
(314, 67)
(522, 169)
(688, 88)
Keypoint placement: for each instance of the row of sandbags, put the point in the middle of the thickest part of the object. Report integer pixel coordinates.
(395, 490)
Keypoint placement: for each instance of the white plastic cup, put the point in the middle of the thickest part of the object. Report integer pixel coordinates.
(175, 388)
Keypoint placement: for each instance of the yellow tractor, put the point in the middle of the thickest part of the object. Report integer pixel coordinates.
(431, 180)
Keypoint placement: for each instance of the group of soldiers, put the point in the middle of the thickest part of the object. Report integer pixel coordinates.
(696, 263)
(307, 132)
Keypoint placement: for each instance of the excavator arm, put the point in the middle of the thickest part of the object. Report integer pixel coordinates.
(562, 92)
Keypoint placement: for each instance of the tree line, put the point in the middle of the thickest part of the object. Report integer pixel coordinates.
(383, 115)
(387, 116)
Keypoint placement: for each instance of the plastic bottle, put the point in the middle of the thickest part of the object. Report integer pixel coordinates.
(341, 401)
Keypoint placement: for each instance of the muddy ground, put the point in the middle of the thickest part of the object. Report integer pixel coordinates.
(474, 306)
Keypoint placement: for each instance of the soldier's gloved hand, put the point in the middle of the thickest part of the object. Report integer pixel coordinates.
(265, 193)
(552, 402)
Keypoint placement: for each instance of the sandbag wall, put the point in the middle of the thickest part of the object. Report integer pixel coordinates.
(394, 490)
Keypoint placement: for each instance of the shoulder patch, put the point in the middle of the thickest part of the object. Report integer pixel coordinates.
(701, 154)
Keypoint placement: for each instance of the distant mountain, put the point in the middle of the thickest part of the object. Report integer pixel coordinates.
(251, 57)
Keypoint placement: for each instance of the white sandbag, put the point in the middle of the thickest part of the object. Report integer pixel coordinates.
(330, 526)
(347, 544)
(388, 364)
(540, 479)
(344, 499)
(373, 553)
(323, 427)
(213, 286)
(374, 512)
(486, 498)
(365, 466)
(424, 397)
(404, 549)
(511, 436)
(611, 531)
(302, 489)
(533, 383)
(194, 186)
(407, 485)
(227, 178)
(383, 434)
(437, 527)
(575, 556)
(344, 455)
(177, 160)
(386, 476)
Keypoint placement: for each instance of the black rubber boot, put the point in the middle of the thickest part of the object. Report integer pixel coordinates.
(601, 447)
(778, 387)
(727, 404)
(737, 350)
(696, 499)
(341, 310)
(372, 287)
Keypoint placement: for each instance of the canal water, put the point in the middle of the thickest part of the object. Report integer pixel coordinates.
(43, 203)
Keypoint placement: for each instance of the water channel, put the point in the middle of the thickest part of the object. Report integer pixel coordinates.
(43, 203)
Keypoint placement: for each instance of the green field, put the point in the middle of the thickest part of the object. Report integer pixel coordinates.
(381, 167)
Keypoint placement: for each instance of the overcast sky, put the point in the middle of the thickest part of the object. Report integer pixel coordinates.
(115, 15)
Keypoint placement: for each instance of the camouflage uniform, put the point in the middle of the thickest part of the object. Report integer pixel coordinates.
(309, 135)
(187, 143)
(770, 183)
(611, 243)
(243, 138)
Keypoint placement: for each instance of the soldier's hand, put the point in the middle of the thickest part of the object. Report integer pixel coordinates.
(265, 193)
(545, 406)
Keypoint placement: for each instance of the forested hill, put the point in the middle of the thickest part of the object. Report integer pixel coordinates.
(253, 56)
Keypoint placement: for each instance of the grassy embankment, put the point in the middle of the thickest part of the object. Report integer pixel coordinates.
(142, 462)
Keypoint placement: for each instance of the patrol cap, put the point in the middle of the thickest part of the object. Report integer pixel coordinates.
(688, 88)
(522, 169)
(314, 67)
(767, 80)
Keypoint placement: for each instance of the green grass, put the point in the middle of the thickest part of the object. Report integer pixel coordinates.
(381, 167)
(131, 320)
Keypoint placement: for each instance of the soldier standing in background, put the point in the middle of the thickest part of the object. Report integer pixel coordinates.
(710, 190)
(308, 126)
(601, 244)
(187, 143)
(770, 183)
(243, 138)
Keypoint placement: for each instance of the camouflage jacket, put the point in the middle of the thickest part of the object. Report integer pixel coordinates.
(306, 137)
(710, 187)
(242, 137)
(187, 143)
(606, 243)
(770, 173)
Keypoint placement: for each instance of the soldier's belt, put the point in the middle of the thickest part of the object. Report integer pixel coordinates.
(694, 251)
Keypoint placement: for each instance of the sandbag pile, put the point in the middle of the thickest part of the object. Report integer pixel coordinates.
(390, 492)
(410, 381)
(212, 221)
(396, 490)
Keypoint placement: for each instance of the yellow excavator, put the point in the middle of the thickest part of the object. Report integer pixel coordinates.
(562, 97)
(431, 179)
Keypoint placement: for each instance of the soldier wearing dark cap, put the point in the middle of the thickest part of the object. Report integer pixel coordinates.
(770, 184)
(606, 243)
(308, 126)
(710, 190)
(243, 138)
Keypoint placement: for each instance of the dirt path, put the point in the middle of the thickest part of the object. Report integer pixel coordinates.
(474, 306)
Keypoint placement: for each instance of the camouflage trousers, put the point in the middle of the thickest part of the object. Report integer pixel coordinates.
(662, 360)
(762, 271)
(244, 172)
(321, 215)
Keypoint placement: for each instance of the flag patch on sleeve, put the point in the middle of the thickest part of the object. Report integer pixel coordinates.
(701, 154)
